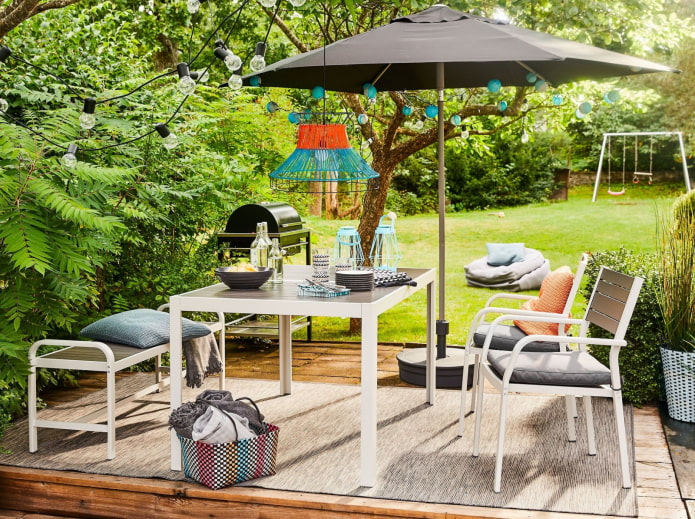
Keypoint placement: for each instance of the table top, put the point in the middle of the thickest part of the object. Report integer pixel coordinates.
(284, 298)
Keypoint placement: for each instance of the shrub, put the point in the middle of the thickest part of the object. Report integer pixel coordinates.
(640, 360)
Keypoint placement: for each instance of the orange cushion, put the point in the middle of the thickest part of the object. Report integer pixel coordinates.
(552, 297)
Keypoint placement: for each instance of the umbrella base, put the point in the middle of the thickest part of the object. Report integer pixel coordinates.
(412, 367)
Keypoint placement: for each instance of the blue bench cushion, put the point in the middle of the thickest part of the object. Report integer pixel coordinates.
(142, 328)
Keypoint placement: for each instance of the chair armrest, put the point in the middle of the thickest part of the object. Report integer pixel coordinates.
(66, 343)
(514, 297)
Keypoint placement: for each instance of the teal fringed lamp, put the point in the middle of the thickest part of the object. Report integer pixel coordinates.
(323, 162)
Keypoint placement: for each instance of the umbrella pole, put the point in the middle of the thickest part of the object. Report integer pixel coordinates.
(442, 327)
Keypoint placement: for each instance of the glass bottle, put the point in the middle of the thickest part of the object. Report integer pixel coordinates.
(275, 261)
(260, 246)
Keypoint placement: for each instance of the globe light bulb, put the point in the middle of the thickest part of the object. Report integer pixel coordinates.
(272, 107)
(465, 133)
(232, 61)
(235, 82)
(169, 140)
(407, 110)
(69, 160)
(297, 3)
(431, 111)
(455, 119)
(4, 105)
(193, 6)
(268, 3)
(257, 63)
(362, 118)
(367, 143)
(203, 77)
(186, 85)
(87, 121)
(420, 123)
(524, 137)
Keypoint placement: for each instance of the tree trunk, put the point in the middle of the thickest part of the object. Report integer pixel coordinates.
(316, 204)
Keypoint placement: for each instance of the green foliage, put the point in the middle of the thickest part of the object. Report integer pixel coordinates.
(676, 292)
(640, 360)
(508, 174)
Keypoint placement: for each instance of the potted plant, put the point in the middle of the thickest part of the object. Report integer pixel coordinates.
(676, 297)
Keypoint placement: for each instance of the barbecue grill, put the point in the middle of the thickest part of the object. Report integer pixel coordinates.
(284, 223)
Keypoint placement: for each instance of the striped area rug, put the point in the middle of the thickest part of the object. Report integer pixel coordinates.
(420, 458)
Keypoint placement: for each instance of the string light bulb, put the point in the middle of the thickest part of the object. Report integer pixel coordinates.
(235, 82)
(231, 60)
(258, 61)
(169, 140)
(4, 105)
(297, 3)
(186, 84)
(87, 118)
(464, 132)
(418, 125)
(268, 3)
(69, 160)
(201, 77)
(4, 54)
(193, 6)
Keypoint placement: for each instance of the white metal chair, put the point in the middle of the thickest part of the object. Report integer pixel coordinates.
(566, 373)
(506, 336)
(104, 357)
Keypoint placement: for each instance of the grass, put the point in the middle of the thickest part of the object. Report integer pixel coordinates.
(561, 230)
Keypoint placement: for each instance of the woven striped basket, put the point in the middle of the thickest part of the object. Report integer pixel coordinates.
(218, 465)
(679, 379)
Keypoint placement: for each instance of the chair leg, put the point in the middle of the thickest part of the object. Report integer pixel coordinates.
(31, 404)
(571, 410)
(622, 437)
(590, 432)
(478, 413)
(464, 390)
(476, 371)
(111, 414)
(500, 442)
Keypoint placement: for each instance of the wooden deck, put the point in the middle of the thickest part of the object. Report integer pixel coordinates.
(43, 494)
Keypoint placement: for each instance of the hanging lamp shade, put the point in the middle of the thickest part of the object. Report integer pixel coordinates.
(324, 162)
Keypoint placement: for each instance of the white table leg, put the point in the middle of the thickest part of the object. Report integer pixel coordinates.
(431, 367)
(176, 369)
(368, 400)
(285, 343)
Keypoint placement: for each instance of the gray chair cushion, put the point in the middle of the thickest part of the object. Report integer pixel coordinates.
(575, 368)
(506, 337)
(142, 328)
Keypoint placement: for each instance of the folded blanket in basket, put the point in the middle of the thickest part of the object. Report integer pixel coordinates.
(202, 359)
(216, 426)
(223, 400)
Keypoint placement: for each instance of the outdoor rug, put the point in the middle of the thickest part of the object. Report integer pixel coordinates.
(420, 457)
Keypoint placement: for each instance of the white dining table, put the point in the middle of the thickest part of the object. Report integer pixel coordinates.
(284, 301)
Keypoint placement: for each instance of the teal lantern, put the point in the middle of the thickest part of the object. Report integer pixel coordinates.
(318, 92)
(384, 253)
(494, 85)
(348, 247)
(407, 110)
(431, 111)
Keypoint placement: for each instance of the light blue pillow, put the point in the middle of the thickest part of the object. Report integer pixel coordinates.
(499, 254)
(142, 328)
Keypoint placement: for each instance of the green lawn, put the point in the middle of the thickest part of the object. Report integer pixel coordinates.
(560, 230)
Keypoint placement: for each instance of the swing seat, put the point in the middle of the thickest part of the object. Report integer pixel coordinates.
(616, 193)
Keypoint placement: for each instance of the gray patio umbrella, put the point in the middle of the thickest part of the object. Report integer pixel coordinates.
(442, 48)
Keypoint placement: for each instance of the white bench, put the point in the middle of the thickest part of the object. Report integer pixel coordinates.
(107, 358)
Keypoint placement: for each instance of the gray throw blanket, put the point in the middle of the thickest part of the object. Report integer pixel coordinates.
(223, 400)
(202, 359)
(183, 417)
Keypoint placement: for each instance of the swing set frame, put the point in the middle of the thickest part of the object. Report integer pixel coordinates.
(606, 140)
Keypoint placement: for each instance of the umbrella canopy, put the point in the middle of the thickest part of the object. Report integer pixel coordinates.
(442, 48)
(403, 56)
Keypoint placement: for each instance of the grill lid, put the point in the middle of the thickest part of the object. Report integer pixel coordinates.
(281, 217)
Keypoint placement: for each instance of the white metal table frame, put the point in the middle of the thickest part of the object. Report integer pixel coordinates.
(284, 301)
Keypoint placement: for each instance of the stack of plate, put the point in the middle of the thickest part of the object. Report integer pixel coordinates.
(355, 280)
